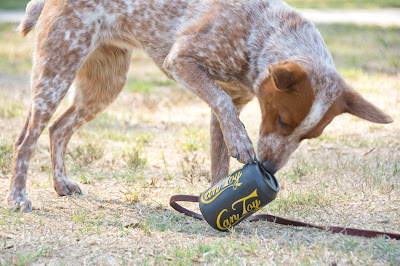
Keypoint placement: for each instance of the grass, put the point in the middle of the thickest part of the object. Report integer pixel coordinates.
(355, 49)
(10, 110)
(6, 151)
(369, 49)
(85, 154)
(15, 51)
(147, 86)
(194, 139)
(31, 257)
(134, 157)
(153, 143)
(13, 4)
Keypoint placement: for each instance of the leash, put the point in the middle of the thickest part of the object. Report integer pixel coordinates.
(275, 219)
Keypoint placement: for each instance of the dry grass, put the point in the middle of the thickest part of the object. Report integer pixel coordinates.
(129, 161)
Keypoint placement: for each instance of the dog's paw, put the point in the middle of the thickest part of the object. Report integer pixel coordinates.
(18, 201)
(65, 187)
(239, 145)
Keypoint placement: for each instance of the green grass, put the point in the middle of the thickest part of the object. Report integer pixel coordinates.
(6, 156)
(10, 109)
(85, 154)
(134, 157)
(194, 139)
(147, 86)
(355, 49)
(15, 51)
(30, 257)
(366, 48)
(343, 4)
(13, 4)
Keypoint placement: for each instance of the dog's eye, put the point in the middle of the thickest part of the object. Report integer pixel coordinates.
(283, 125)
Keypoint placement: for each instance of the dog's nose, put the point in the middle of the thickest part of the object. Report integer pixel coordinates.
(269, 167)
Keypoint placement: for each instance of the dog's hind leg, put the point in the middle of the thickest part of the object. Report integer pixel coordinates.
(56, 62)
(98, 82)
(218, 151)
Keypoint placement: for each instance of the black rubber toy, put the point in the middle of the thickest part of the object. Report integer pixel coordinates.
(237, 196)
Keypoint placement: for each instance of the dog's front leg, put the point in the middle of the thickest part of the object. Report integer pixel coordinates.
(191, 74)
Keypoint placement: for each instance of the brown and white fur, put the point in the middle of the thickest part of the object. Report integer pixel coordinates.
(225, 51)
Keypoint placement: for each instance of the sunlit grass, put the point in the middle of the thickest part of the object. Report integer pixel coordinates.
(363, 48)
(355, 49)
(13, 4)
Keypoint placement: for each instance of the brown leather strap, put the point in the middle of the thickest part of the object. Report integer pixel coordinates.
(275, 219)
(179, 208)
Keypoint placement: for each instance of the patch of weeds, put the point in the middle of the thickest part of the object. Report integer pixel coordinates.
(374, 128)
(132, 177)
(85, 154)
(168, 221)
(114, 135)
(134, 158)
(375, 173)
(169, 175)
(301, 169)
(302, 203)
(30, 257)
(6, 157)
(87, 177)
(131, 194)
(142, 137)
(146, 227)
(85, 223)
(389, 250)
(45, 166)
(192, 168)
(396, 169)
(10, 217)
(120, 136)
(9, 109)
(194, 139)
(84, 179)
(218, 252)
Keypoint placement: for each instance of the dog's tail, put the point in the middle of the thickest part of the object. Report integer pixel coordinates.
(32, 14)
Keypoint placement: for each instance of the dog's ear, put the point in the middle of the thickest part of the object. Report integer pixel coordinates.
(356, 105)
(286, 74)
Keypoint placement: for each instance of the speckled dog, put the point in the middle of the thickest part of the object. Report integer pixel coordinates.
(225, 51)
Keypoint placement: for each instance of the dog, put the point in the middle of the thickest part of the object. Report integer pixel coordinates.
(225, 51)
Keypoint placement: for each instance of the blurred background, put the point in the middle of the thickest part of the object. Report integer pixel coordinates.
(153, 143)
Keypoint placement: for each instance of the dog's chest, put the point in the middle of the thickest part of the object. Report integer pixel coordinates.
(239, 93)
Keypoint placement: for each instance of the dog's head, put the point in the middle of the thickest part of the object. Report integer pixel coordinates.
(297, 104)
